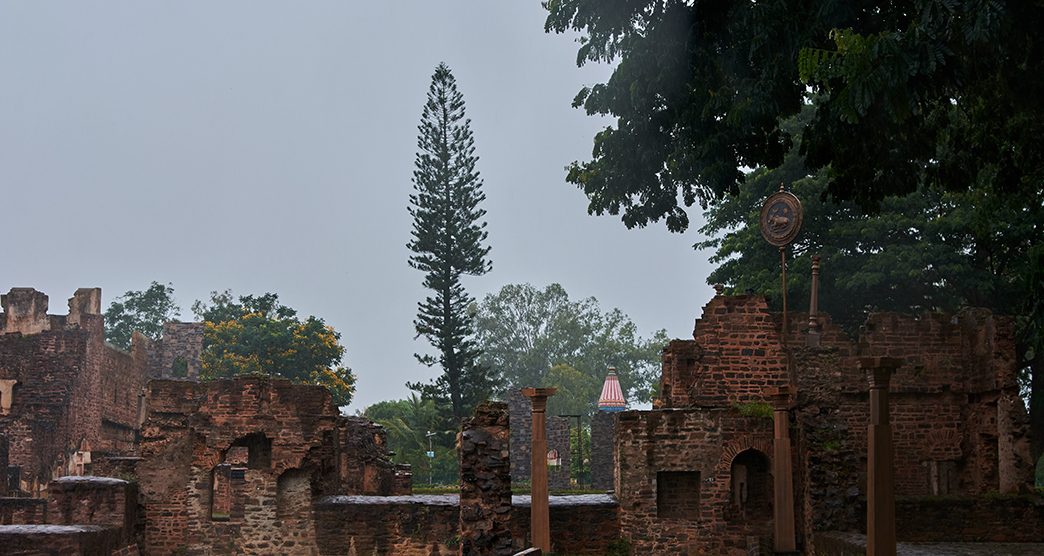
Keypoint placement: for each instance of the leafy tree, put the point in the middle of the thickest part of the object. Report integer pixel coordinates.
(408, 423)
(145, 311)
(929, 250)
(258, 335)
(448, 242)
(538, 337)
(943, 93)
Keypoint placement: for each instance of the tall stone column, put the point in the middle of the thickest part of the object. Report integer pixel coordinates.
(540, 519)
(782, 472)
(880, 473)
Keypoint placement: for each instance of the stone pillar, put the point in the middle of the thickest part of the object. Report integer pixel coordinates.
(540, 520)
(782, 473)
(485, 483)
(880, 473)
(813, 306)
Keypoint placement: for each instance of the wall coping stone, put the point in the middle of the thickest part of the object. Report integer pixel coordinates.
(517, 500)
(90, 480)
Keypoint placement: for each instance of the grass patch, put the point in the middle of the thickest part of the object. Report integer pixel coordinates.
(754, 409)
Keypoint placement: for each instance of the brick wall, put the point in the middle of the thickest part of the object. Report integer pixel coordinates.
(269, 444)
(690, 453)
(426, 525)
(23, 511)
(72, 392)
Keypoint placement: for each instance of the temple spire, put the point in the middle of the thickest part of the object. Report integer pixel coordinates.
(612, 398)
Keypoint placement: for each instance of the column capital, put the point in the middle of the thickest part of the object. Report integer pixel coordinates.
(780, 397)
(538, 396)
(879, 370)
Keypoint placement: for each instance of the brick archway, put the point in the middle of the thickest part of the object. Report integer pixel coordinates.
(732, 448)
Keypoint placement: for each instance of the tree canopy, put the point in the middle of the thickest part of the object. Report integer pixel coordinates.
(535, 337)
(258, 335)
(940, 93)
(449, 241)
(930, 250)
(145, 311)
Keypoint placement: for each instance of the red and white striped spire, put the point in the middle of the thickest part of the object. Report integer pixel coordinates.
(612, 398)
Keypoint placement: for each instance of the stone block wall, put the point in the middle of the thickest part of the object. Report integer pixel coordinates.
(70, 394)
(675, 484)
(485, 482)
(233, 465)
(580, 525)
(94, 501)
(603, 436)
(179, 351)
(557, 431)
(415, 526)
(735, 356)
(23, 511)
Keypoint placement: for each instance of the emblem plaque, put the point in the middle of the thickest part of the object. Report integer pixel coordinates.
(781, 218)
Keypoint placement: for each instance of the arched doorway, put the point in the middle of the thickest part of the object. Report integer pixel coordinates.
(751, 492)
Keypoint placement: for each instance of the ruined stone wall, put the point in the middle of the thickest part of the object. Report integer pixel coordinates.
(23, 511)
(48, 368)
(191, 430)
(485, 482)
(365, 467)
(603, 436)
(68, 391)
(735, 356)
(233, 465)
(179, 349)
(426, 525)
(557, 431)
(675, 480)
(579, 525)
(418, 526)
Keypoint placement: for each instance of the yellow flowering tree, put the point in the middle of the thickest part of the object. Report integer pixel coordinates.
(256, 335)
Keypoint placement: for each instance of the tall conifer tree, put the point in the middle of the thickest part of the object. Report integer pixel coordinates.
(448, 242)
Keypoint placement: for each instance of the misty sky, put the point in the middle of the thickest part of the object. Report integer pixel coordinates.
(268, 146)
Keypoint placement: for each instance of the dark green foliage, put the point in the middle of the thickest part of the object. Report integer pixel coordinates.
(144, 311)
(538, 337)
(448, 242)
(940, 93)
(408, 423)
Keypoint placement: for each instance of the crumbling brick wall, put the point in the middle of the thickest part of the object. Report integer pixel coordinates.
(485, 482)
(70, 393)
(233, 465)
(958, 425)
(675, 483)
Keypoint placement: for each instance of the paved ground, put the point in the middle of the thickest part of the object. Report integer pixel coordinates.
(954, 548)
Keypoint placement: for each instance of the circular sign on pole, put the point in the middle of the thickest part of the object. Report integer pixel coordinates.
(781, 218)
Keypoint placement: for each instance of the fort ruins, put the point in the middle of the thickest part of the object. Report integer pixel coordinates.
(112, 452)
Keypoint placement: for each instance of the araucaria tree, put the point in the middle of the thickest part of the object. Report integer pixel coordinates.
(448, 242)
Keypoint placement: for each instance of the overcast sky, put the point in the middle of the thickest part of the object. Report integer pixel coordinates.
(268, 147)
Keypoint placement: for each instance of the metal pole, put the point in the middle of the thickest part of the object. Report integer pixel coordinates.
(783, 264)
